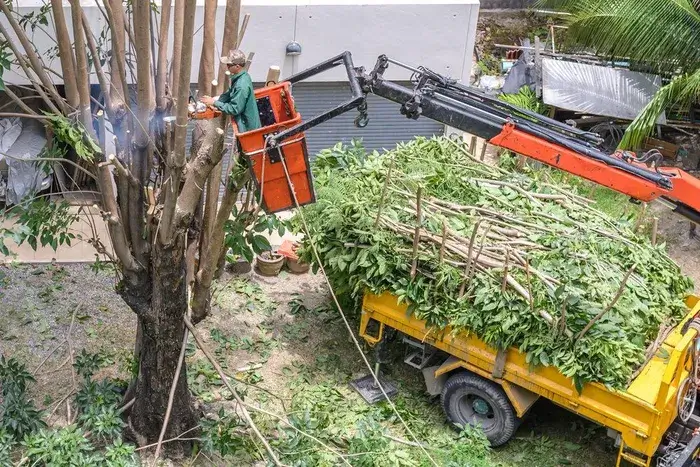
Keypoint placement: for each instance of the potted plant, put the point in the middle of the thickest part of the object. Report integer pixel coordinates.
(244, 240)
(289, 250)
(269, 263)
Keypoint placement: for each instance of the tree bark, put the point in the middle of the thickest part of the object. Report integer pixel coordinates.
(118, 87)
(162, 333)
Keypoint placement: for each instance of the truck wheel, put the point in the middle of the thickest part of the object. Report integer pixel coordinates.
(468, 399)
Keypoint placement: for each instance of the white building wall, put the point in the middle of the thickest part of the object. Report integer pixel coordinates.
(437, 34)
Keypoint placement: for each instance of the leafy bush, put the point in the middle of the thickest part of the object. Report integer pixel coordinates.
(18, 414)
(75, 445)
(119, 454)
(243, 237)
(525, 98)
(6, 443)
(67, 447)
(226, 434)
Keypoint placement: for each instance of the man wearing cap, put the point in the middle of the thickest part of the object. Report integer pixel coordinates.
(239, 100)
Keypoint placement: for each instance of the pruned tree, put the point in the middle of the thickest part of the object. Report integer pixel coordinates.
(162, 208)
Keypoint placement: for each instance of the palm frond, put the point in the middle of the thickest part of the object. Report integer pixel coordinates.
(662, 33)
(682, 91)
(525, 98)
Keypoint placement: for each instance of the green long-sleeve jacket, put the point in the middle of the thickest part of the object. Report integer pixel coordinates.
(239, 102)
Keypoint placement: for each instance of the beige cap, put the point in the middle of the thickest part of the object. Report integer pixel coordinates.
(234, 57)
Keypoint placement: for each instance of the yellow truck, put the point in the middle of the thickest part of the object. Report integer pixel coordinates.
(479, 385)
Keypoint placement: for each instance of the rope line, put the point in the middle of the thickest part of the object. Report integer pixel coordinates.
(343, 316)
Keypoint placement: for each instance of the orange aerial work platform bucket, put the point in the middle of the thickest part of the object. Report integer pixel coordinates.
(277, 113)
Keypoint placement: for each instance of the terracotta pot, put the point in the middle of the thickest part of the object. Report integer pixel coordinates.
(269, 263)
(297, 267)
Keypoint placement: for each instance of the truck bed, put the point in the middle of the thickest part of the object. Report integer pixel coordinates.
(641, 414)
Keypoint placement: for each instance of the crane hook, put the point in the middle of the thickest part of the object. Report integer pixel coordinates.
(361, 120)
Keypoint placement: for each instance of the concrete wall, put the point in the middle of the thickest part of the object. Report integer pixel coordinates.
(437, 34)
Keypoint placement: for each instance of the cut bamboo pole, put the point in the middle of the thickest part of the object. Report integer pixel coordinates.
(472, 145)
(609, 307)
(529, 286)
(505, 271)
(654, 230)
(444, 239)
(467, 268)
(640, 218)
(384, 188)
(482, 156)
(416, 235)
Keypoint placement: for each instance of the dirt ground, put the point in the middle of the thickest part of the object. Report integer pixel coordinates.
(685, 250)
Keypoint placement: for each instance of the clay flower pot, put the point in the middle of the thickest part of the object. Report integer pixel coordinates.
(288, 249)
(269, 263)
(294, 265)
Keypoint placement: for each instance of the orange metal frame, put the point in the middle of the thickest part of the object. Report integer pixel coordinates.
(686, 188)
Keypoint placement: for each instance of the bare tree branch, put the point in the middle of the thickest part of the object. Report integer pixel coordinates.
(198, 169)
(178, 163)
(65, 51)
(208, 263)
(83, 81)
(101, 76)
(114, 224)
(231, 20)
(206, 60)
(28, 73)
(118, 86)
(161, 67)
(143, 146)
(47, 159)
(19, 101)
(178, 24)
(34, 59)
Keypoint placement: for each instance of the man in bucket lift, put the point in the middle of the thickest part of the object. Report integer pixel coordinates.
(239, 100)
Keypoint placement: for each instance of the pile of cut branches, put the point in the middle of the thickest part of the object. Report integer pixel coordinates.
(516, 261)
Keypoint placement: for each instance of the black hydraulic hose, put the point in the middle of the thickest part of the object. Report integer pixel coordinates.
(497, 107)
(480, 95)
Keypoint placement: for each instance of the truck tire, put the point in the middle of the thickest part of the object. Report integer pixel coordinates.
(468, 399)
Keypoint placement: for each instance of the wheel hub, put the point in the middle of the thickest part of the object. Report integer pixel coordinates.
(480, 406)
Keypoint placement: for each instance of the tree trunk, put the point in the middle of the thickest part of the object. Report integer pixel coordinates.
(163, 330)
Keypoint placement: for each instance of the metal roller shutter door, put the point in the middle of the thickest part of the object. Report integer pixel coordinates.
(386, 124)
